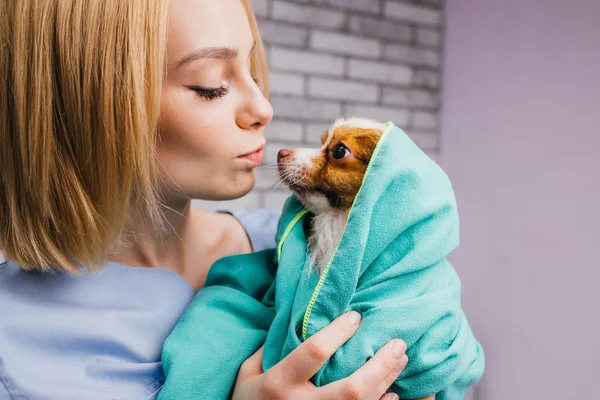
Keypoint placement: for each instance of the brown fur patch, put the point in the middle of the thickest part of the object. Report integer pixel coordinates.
(340, 180)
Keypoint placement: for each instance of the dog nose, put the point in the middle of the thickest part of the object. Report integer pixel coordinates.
(283, 153)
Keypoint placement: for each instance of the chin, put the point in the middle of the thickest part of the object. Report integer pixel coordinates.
(237, 186)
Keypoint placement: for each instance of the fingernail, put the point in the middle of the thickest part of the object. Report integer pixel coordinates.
(399, 348)
(395, 397)
(401, 364)
(354, 317)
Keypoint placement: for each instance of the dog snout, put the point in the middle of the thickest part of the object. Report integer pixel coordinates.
(284, 154)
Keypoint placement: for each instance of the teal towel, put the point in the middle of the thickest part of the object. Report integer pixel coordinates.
(390, 266)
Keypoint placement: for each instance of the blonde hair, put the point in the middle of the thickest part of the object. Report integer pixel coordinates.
(80, 87)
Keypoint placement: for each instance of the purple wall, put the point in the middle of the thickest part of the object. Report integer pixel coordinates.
(521, 143)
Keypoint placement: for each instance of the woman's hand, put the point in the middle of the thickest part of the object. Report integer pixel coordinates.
(290, 378)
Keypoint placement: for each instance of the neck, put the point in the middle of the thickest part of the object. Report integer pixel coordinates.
(146, 245)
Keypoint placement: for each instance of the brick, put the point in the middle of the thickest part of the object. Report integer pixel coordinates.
(286, 83)
(425, 120)
(271, 150)
(370, 6)
(306, 14)
(410, 13)
(429, 3)
(412, 55)
(314, 132)
(376, 27)
(428, 37)
(342, 90)
(425, 78)
(344, 44)
(265, 177)
(411, 98)
(305, 109)
(280, 33)
(304, 61)
(424, 98)
(260, 7)
(394, 96)
(251, 200)
(383, 114)
(285, 130)
(380, 72)
(274, 200)
(425, 140)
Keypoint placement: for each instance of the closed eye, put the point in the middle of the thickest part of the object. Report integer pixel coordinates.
(210, 94)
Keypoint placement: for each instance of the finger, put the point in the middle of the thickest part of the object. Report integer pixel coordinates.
(252, 366)
(390, 396)
(306, 360)
(362, 383)
(393, 375)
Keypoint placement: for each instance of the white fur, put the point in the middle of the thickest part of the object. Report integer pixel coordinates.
(305, 156)
(328, 140)
(317, 203)
(326, 231)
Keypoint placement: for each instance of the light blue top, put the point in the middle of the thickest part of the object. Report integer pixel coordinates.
(95, 336)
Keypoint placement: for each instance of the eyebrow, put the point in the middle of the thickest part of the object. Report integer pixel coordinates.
(221, 53)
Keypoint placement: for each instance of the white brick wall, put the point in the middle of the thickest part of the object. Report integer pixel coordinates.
(305, 14)
(385, 73)
(369, 6)
(411, 55)
(428, 37)
(410, 13)
(286, 83)
(371, 58)
(282, 33)
(296, 108)
(305, 61)
(285, 130)
(398, 115)
(343, 90)
(261, 7)
(345, 44)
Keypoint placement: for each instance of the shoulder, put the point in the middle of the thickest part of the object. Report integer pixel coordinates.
(256, 227)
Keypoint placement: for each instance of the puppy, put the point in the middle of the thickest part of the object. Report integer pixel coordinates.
(326, 180)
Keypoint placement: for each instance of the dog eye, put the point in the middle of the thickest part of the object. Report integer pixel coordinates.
(340, 151)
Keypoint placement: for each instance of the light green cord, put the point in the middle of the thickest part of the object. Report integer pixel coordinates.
(288, 230)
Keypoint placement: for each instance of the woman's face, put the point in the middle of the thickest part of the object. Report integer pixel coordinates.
(212, 111)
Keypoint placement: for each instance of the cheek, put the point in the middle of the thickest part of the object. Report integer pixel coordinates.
(188, 127)
(345, 179)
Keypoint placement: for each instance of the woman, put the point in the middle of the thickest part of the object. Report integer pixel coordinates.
(113, 116)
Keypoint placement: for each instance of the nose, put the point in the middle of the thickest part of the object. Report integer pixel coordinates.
(256, 111)
(283, 154)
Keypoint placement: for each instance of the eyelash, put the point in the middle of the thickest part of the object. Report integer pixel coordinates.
(211, 94)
